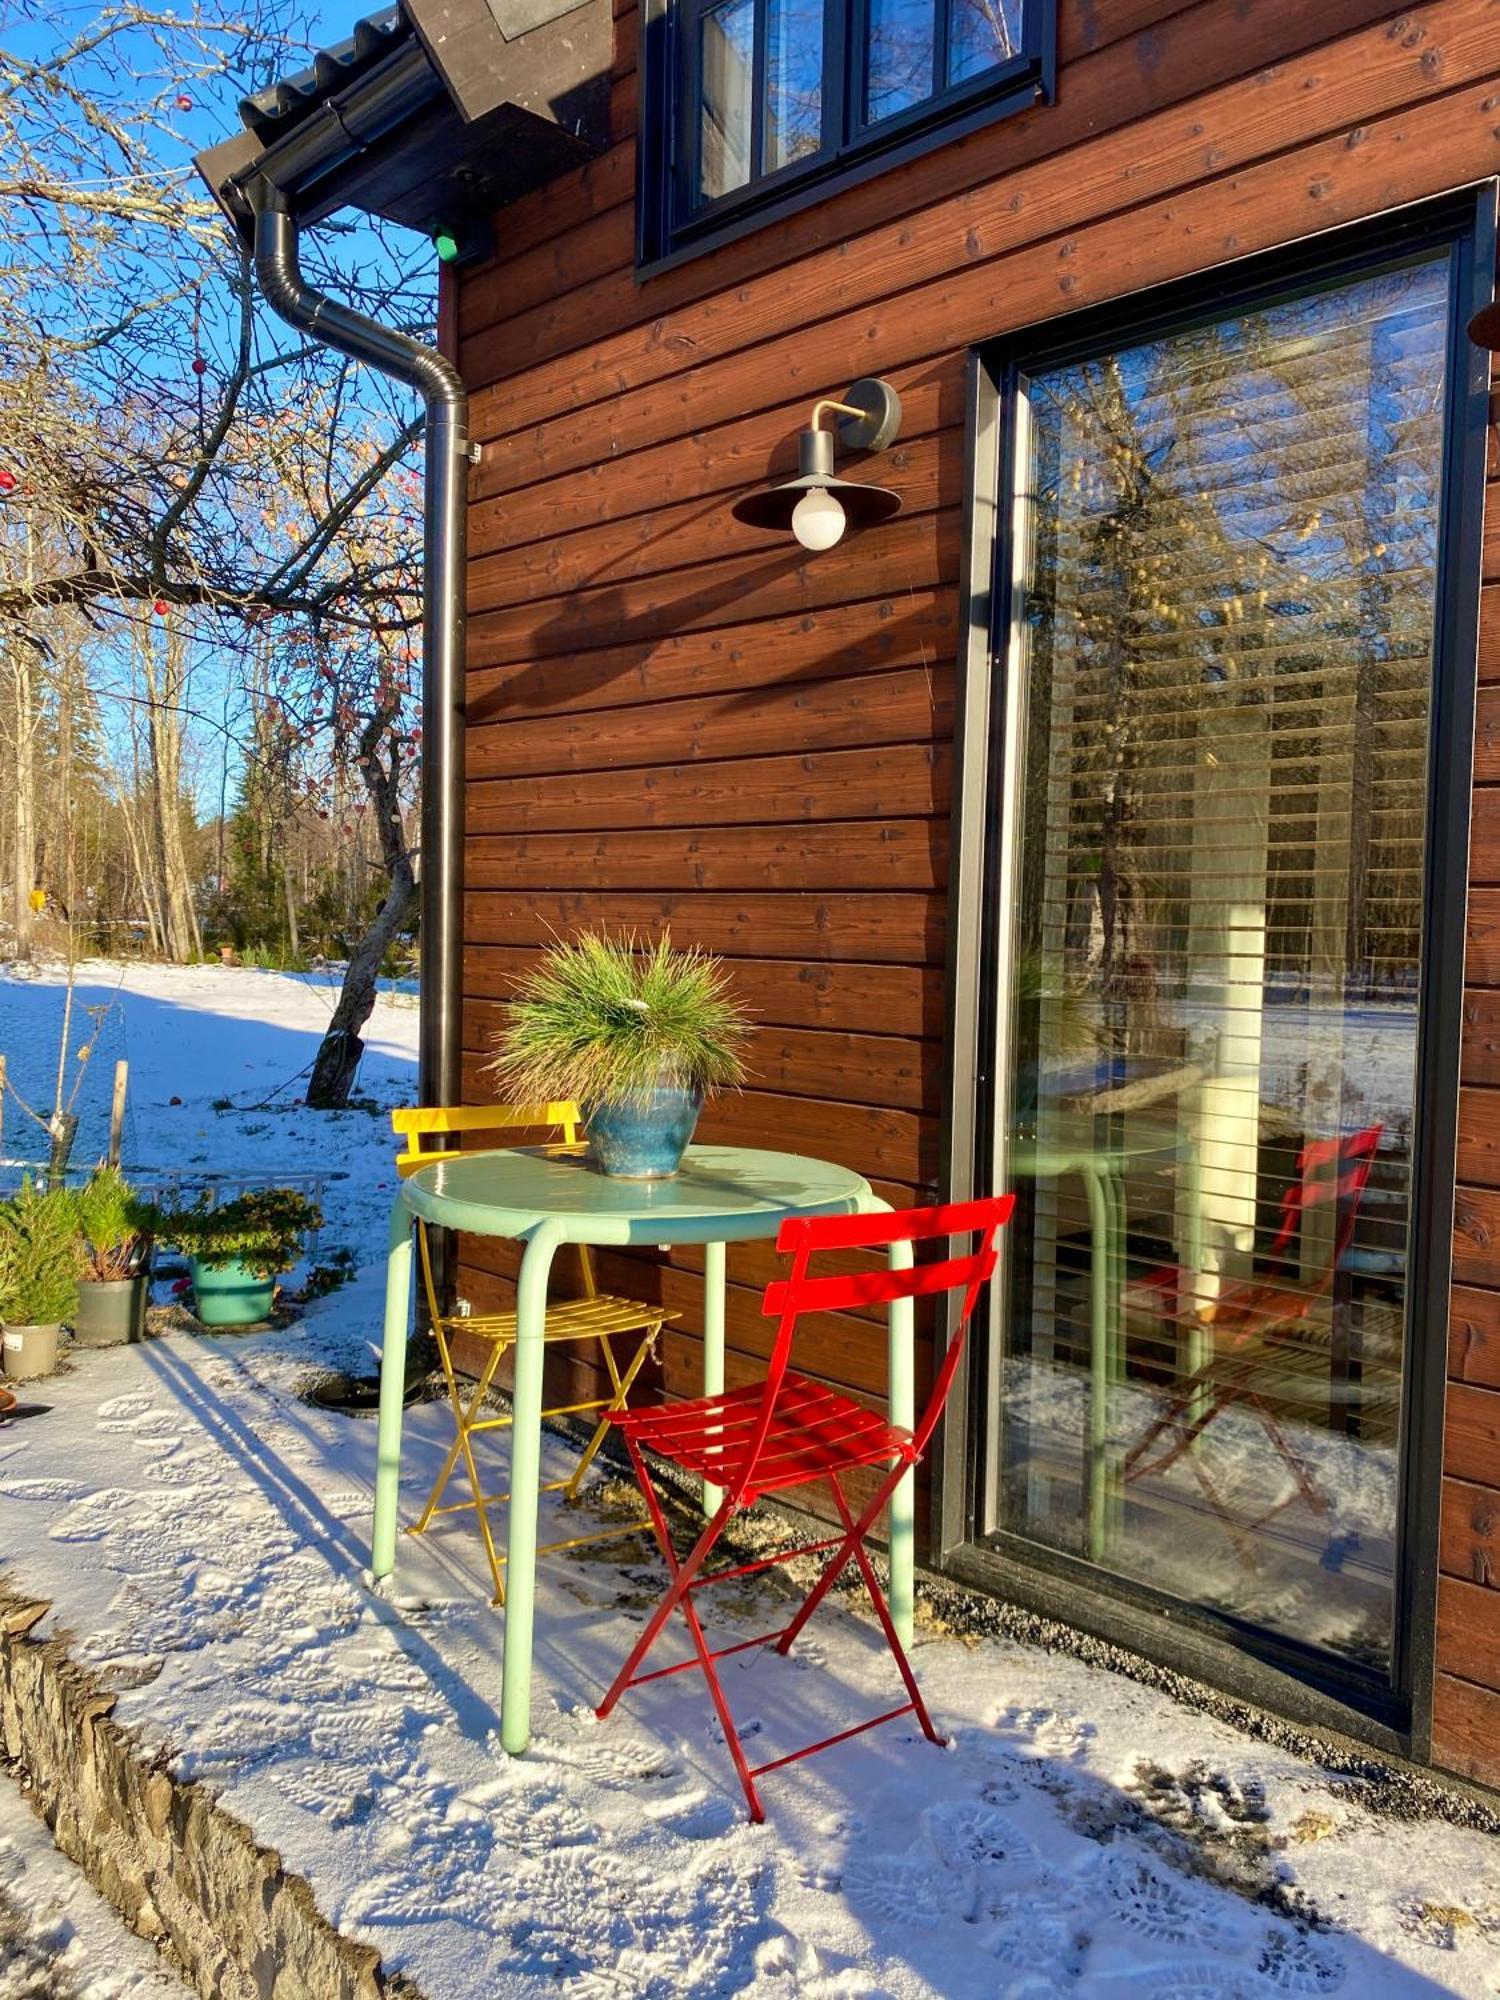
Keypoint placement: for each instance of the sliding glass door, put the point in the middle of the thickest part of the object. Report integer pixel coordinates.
(1209, 919)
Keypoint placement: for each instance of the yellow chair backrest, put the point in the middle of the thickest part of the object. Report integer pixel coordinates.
(416, 1124)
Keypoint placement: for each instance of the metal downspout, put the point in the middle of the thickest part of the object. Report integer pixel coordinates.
(444, 555)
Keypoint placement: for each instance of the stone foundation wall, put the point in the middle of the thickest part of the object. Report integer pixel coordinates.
(178, 1868)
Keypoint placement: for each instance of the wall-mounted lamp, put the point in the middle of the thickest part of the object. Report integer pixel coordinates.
(816, 505)
(1484, 327)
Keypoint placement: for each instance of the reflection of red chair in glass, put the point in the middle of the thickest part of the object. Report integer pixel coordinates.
(1265, 1340)
(789, 1431)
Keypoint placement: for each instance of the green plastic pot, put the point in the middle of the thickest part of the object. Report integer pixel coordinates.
(110, 1311)
(230, 1295)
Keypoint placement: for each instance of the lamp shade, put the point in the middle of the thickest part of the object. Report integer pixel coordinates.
(1484, 327)
(774, 506)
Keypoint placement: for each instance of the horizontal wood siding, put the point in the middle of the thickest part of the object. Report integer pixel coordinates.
(674, 720)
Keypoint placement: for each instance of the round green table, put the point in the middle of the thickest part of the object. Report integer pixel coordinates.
(546, 1197)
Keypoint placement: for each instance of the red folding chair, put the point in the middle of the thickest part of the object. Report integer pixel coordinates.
(1266, 1344)
(789, 1431)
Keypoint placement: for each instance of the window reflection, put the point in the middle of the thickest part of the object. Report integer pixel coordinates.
(1227, 642)
(899, 60)
(726, 56)
(981, 33)
(794, 81)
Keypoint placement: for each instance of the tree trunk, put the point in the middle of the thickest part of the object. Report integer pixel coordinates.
(338, 1057)
(341, 1048)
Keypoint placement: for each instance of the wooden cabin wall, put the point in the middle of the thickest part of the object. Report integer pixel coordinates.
(675, 720)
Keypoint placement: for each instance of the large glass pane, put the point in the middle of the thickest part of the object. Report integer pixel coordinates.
(794, 81)
(1225, 624)
(726, 67)
(981, 33)
(900, 58)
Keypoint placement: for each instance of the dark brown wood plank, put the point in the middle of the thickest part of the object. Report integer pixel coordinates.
(1482, 959)
(1471, 1436)
(854, 1069)
(927, 472)
(865, 636)
(908, 781)
(1487, 707)
(1468, 1631)
(1466, 1729)
(1489, 604)
(1479, 1137)
(1474, 1337)
(1480, 1056)
(1471, 1532)
(893, 854)
(689, 465)
(777, 581)
(886, 929)
(898, 1000)
(902, 705)
(1484, 825)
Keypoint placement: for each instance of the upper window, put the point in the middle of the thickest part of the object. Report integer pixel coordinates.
(753, 106)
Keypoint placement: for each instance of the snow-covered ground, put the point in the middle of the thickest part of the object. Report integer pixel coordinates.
(59, 1940)
(202, 1533)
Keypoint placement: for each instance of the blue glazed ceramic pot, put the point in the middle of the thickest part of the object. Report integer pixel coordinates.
(643, 1138)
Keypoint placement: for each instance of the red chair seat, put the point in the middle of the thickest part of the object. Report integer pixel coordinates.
(814, 1430)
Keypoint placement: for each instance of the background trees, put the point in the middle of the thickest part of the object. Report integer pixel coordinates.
(209, 582)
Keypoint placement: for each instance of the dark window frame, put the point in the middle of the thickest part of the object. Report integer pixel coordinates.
(1275, 1673)
(670, 230)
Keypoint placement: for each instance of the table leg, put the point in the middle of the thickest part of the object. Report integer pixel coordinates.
(392, 1391)
(525, 1479)
(901, 1368)
(713, 1345)
(1100, 1359)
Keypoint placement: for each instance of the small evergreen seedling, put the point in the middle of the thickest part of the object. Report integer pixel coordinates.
(38, 1256)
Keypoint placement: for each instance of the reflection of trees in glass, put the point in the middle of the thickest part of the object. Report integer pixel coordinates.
(901, 65)
(1241, 518)
(794, 82)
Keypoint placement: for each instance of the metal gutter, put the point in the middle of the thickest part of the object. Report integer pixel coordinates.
(444, 555)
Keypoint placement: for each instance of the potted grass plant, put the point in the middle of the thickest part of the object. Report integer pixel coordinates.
(115, 1233)
(237, 1249)
(637, 1033)
(38, 1290)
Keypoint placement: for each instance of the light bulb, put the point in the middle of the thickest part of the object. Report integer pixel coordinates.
(817, 519)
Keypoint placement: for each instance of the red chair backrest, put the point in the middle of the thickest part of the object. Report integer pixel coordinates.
(800, 1292)
(1329, 1170)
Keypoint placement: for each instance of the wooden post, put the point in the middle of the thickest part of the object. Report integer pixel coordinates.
(117, 1112)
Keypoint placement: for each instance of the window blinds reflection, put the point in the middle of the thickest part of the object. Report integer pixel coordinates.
(1227, 627)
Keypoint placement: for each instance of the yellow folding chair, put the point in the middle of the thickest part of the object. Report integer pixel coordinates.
(597, 1316)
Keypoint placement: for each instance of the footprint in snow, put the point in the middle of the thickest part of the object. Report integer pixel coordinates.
(1194, 1982)
(966, 1834)
(538, 1821)
(614, 1760)
(41, 1489)
(899, 1889)
(704, 1819)
(1039, 1944)
(1161, 1907)
(126, 1409)
(1046, 1732)
(1296, 1963)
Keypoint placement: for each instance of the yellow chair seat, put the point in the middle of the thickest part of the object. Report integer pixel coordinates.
(567, 1319)
(596, 1316)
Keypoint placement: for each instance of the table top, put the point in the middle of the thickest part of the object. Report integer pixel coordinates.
(721, 1194)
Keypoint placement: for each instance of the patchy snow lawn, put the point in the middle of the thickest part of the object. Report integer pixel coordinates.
(203, 1532)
